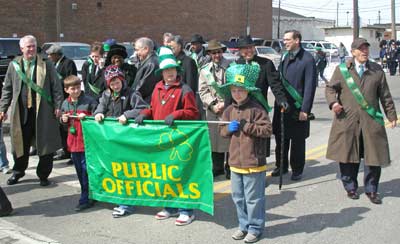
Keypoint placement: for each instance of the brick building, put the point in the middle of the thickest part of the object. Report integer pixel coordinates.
(125, 20)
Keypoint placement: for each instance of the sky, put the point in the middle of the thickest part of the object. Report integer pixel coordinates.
(327, 9)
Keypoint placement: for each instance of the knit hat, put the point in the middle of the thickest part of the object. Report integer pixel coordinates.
(242, 75)
(111, 72)
(166, 59)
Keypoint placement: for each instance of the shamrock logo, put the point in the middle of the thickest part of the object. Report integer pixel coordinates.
(177, 141)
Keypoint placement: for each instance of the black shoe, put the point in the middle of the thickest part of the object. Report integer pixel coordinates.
(276, 172)
(296, 177)
(13, 179)
(84, 206)
(69, 162)
(44, 182)
(33, 152)
(374, 197)
(352, 195)
(6, 211)
(218, 172)
(228, 174)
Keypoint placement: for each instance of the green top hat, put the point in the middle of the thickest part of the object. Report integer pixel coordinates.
(242, 75)
(166, 59)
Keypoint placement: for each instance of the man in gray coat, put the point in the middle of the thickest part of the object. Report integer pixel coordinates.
(33, 90)
(146, 79)
(358, 130)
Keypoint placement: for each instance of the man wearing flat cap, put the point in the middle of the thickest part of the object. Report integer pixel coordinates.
(213, 104)
(64, 67)
(268, 76)
(358, 129)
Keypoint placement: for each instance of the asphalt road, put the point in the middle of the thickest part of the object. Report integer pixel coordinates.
(313, 211)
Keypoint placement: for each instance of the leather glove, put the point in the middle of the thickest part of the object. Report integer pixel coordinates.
(233, 126)
(242, 124)
(169, 120)
(139, 119)
(285, 106)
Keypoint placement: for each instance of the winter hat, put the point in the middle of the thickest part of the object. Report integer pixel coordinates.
(166, 59)
(242, 75)
(113, 71)
(116, 49)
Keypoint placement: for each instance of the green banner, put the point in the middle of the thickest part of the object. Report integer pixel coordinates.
(151, 164)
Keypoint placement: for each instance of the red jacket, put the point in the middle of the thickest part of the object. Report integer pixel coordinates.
(178, 100)
(86, 104)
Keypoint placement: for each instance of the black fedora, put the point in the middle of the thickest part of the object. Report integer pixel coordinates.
(197, 38)
(245, 41)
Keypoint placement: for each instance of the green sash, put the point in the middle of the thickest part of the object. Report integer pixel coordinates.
(355, 90)
(31, 84)
(290, 89)
(94, 89)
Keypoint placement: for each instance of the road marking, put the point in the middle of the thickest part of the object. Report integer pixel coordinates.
(11, 233)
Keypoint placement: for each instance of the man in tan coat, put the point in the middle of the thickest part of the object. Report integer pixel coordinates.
(33, 91)
(358, 130)
(214, 105)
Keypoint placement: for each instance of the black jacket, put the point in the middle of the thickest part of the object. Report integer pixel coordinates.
(94, 77)
(146, 78)
(65, 68)
(189, 73)
(268, 77)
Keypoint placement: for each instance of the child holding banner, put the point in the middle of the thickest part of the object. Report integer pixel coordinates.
(171, 100)
(80, 105)
(249, 129)
(119, 101)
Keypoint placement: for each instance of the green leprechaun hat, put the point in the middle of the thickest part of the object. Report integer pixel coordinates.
(166, 59)
(242, 75)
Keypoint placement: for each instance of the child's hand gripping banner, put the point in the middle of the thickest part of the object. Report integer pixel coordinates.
(150, 165)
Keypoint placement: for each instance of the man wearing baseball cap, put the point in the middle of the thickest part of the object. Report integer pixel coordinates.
(358, 129)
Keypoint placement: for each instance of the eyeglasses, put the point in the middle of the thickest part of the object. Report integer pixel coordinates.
(215, 52)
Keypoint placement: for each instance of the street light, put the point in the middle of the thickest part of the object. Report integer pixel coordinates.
(337, 13)
(347, 17)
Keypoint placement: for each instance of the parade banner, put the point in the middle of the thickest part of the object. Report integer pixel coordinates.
(151, 164)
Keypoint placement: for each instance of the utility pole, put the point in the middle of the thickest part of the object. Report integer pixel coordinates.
(379, 17)
(58, 19)
(279, 20)
(247, 19)
(356, 20)
(393, 21)
(347, 18)
(337, 14)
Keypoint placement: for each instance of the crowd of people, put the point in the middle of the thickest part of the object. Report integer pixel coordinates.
(166, 84)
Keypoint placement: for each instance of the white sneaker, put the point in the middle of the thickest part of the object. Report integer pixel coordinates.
(164, 214)
(6, 170)
(184, 219)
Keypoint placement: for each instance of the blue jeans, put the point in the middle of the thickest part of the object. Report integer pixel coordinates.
(342, 59)
(3, 150)
(80, 165)
(248, 194)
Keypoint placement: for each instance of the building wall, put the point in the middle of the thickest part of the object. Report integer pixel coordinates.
(310, 28)
(345, 35)
(126, 20)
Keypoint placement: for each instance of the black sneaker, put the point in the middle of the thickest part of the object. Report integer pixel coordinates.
(276, 172)
(44, 182)
(81, 207)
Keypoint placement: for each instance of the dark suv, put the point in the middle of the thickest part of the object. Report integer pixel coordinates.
(9, 48)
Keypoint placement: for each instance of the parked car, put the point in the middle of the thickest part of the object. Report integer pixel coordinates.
(9, 49)
(78, 52)
(269, 53)
(328, 47)
(276, 44)
(309, 48)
